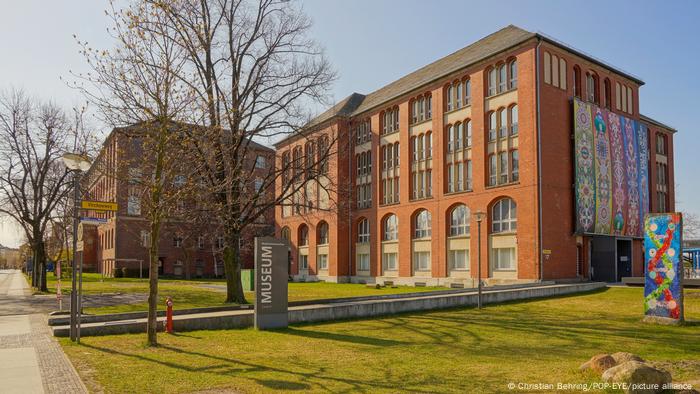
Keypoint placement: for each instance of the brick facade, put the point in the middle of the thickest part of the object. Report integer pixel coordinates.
(544, 246)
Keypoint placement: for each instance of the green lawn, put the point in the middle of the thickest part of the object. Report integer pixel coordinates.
(189, 293)
(461, 350)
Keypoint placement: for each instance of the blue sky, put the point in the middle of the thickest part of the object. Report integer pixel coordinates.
(373, 42)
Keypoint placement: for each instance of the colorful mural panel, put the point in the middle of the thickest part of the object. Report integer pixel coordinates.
(663, 287)
(611, 172)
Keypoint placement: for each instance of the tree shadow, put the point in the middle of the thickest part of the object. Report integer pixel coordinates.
(342, 337)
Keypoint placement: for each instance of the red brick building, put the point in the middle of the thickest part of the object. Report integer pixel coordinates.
(186, 248)
(486, 129)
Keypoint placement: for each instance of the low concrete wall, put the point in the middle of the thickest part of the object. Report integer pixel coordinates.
(339, 310)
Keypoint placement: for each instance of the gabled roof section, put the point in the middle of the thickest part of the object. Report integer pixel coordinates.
(345, 107)
(490, 45)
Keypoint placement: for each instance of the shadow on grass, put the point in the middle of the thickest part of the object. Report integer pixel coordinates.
(282, 384)
(342, 337)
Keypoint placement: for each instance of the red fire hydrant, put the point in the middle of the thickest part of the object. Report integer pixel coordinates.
(169, 315)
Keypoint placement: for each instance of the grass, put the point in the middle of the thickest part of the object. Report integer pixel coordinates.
(189, 293)
(460, 350)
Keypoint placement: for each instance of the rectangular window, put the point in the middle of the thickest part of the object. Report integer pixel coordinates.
(492, 82)
(547, 68)
(177, 242)
(421, 261)
(322, 261)
(468, 131)
(630, 108)
(389, 261)
(303, 262)
(515, 166)
(467, 92)
(200, 242)
(260, 162)
(504, 167)
(460, 176)
(469, 175)
(503, 258)
(493, 170)
(450, 178)
(448, 97)
(363, 262)
(459, 259)
(617, 96)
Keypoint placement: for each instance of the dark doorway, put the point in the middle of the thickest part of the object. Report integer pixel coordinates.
(161, 265)
(624, 258)
(603, 259)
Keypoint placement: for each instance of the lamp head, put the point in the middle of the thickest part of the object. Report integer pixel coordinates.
(76, 162)
(479, 216)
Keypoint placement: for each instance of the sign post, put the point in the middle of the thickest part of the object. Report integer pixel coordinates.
(271, 277)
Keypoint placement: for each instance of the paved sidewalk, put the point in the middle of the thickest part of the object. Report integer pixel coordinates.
(31, 359)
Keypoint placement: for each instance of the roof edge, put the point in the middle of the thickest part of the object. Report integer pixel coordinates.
(657, 123)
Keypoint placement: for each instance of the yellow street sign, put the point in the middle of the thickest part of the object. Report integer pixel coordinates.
(99, 205)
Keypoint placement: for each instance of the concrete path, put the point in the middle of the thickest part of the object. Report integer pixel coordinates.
(31, 361)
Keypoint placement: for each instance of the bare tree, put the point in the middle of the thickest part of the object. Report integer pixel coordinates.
(33, 180)
(255, 74)
(135, 85)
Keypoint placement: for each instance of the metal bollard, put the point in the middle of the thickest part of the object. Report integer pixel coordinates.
(169, 315)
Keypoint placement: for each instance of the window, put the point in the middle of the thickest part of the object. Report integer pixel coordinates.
(618, 96)
(468, 184)
(363, 231)
(421, 109)
(450, 178)
(555, 71)
(303, 262)
(286, 168)
(421, 261)
(260, 162)
(422, 224)
(220, 243)
(310, 157)
(606, 94)
(177, 242)
(503, 123)
(547, 68)
(504, 216)
(179, 180)
(390, 120)
(200, 242)
(513, 81)
(467, 86)
(363, 262)
(592, 93)
(297, 163)
(492, 82)
(459, 220)
(503, 158)
(459, 259)
(258, 185)
(660, 144)
(661, 198)
(303, 235)
(562, 73)
(323, 154)
(428, 146)
(391, 228)
(515, 166)
(389, 261)
(468, 130)
(503, 258)
(502, 78)
(322, 261)
(323, 233)
(577, 81)
(449, 93)
(514, 120)
(630, 106)
(145, 239)
(492, 126)
(493, 168)
(286, 233)
(623, 99)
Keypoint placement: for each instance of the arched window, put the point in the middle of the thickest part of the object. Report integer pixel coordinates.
(286, 233)
(492, 82)
(467, 92)
(303, 235)
(428, 145)
(607, 96)
(492, 126)
(458, 90)
(513, 82)
(514, 120)
(391, 228)
(502, 78)
(448, 95)
(323, 233)
(363, 231)
(468, 132)
(458, 136)
(396, 154)
(577, 81)
(504, 216)
(422, 224)
(459, 220)
(450, 138)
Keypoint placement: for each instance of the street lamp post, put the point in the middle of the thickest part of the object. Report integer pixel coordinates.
(77, 164)
(479, 215)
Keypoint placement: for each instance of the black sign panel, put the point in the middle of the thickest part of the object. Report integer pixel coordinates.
(271, 275)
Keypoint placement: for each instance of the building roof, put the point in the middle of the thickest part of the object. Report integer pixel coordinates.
(502, 40)
(656, 123)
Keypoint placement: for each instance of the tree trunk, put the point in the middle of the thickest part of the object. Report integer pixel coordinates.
(41, 256)
(152, 325)
(232, 268)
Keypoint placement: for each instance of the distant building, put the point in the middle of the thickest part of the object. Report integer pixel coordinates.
(10, 257)
(487, 128)
(186, 249)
